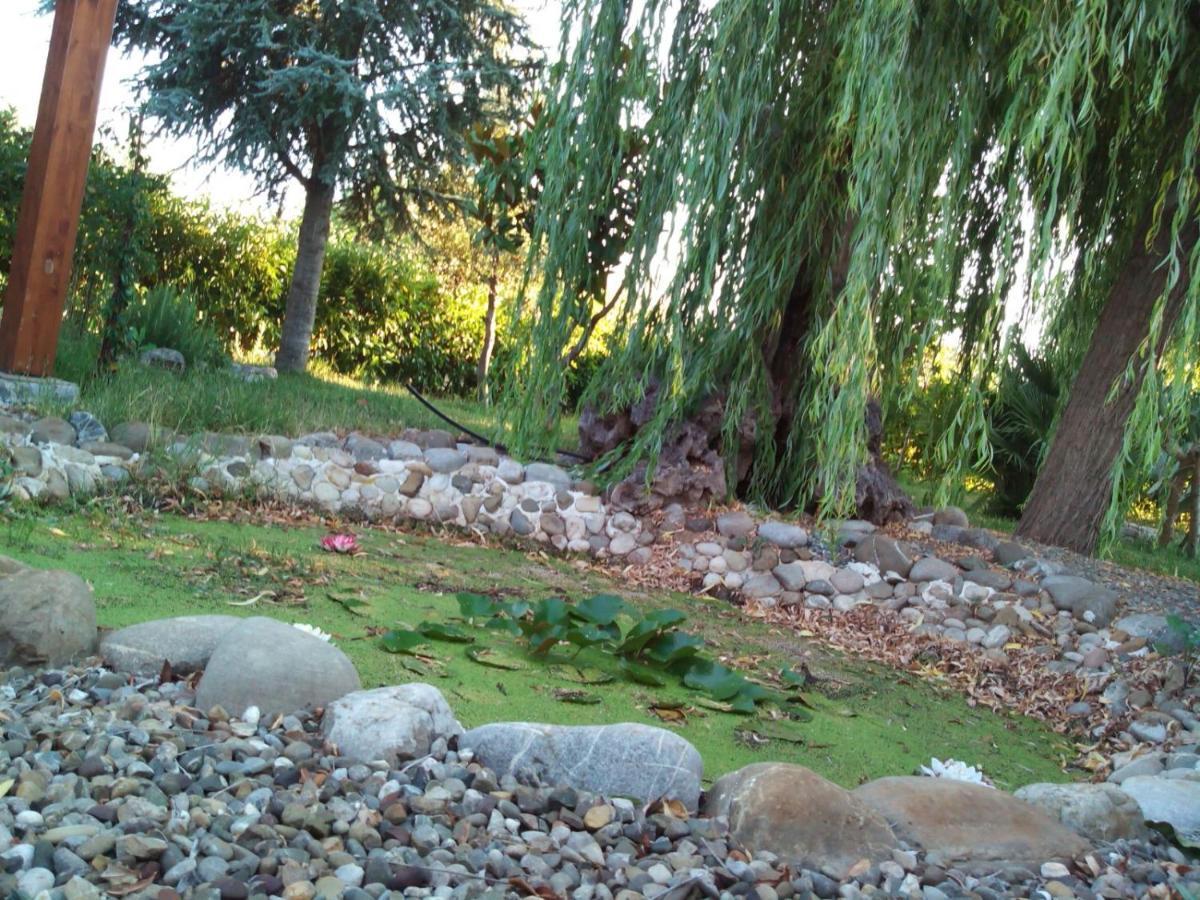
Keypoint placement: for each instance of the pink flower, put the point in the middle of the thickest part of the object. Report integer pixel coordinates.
(341, 543)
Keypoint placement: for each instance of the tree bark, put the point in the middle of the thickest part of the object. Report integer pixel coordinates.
(301, 310)
(1171, 509)
(489, 335)
(1074, 487)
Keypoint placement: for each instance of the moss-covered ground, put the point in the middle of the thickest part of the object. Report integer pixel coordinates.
(866, 721)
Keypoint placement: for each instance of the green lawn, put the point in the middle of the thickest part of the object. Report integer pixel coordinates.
(213, 400)
(867, 721)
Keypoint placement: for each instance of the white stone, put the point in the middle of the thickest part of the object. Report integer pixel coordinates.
(389, 723)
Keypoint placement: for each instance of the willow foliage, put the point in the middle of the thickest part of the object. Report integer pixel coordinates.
(955, 155)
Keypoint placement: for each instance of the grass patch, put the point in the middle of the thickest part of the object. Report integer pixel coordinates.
(868, 721)
(213, 400)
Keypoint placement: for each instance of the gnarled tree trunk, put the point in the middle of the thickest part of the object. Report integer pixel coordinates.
(1074, 487)
(301, 310)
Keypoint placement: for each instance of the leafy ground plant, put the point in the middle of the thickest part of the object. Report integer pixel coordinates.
(647, 649)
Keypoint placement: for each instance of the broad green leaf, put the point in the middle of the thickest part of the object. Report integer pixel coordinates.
(641, 674)
(672, 647)
(475, 606)
(591, 635)
(583, 675)
(716, 680)
(602, 609)
(401, 640)
(494, 659)
(570, 696)
(648, 628)
(350, 602)
(443, 631)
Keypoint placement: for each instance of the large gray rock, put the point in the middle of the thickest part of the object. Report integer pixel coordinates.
(186, 642)
(626, 760)
(362, 448)
(548, 472)
(735, 524)
(930, 568)
(783, 534)
(967, 825)
(1086, 600)
(390, 723)
(88, 429)
(163, 358)
(1168, 801)
(46, 618)
(951, 515)
(444, 459)
(52, 430)
(798, 815)
(137, 436)
(885, 553)
(1153, 628)
(1098, 812)
(280, 669)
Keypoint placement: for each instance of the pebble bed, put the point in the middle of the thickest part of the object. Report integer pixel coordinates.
(121, 788)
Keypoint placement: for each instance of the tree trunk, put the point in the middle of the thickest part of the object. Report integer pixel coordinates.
(489, 336)
(301, 311)
(1074, 487)
(1193, 545)
(1171, 508)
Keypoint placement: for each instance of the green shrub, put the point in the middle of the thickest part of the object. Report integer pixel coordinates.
(166, 317)
(1020, 414)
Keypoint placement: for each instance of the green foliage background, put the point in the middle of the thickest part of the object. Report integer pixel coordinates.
(389, 312)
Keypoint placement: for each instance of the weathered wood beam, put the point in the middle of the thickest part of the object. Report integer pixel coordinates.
(54, 183)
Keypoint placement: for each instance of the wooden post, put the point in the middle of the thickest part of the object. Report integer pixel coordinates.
(54, 182)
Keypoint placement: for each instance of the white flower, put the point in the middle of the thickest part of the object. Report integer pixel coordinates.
(313, 630)
(955, 770)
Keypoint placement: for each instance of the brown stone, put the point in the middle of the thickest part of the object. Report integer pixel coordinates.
(968, 825)
(795, 813)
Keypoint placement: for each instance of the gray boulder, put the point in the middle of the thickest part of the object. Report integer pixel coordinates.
(1153, 628)
(550, 473)
(52, 430)
(783, 534)
(280, 669)
(88, 429)
(951, 515)
(735, 524)
(1098, 812)
(391, 723)
(1168, 801)
(137, 436)
(885, 553)
(46, 618)
(1008, 553)
(186, 642)
(930, 568)
(163, 358)
(961, 824)
(626, 760)
(363, 448)
(1087, 601)
(799, 816)
(444, 459)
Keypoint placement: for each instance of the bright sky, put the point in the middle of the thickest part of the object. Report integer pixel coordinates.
(25, 38)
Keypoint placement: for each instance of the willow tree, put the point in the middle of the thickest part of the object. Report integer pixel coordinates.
(830, 189)
(371, 98)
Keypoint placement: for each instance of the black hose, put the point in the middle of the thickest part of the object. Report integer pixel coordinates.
(500, 448)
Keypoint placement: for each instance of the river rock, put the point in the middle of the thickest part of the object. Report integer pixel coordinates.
(390, 723)
(798, 815)
(1168, 801)
(1153, 628)
(624, 760)
(46, 618)
(1087, 601)
(549, 473)
(783, 534)
(88, 429)
(444, 459)
(186, 642)
(280, 669)
(735, 524)
(968, 825)
(163, 358)
(884, 553)
(137, 436)
(52, 430)
(951, 515)
(930, 568)
(1098, 812)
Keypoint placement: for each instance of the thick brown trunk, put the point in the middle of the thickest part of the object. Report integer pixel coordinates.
(301, 310)
(1171, 509)
(489, 337)
(1074, 487)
